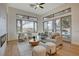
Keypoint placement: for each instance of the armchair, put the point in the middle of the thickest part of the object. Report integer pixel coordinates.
(21, 37)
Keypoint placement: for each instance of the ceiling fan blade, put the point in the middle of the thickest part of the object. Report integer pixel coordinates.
(32, 5)
(41, 7)
(41, 3)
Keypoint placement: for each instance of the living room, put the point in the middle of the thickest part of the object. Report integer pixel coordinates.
(27, 30)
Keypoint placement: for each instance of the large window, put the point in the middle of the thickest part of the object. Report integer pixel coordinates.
(19, 25)
(48, 26)
(26, 23)
(61, 24)
(66, 27)
(45, 26)
(58, 25)
(26, 26)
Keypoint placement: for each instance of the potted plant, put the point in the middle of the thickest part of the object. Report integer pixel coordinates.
(34, 38)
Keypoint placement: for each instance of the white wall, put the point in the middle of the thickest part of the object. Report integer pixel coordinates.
(3, 25)
(11, 24)
(75, 24)
(40, 25)
(18, 11)
(12, 35)
(3, 19)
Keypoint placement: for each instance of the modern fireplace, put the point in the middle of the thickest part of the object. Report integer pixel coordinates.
(3, 39)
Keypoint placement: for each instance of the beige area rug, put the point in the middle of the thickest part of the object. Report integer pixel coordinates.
(24, 49)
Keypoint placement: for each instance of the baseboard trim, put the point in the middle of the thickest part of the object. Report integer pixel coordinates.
(76, 43)
(12, 40)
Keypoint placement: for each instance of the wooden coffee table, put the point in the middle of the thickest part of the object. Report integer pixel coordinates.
(34, 43)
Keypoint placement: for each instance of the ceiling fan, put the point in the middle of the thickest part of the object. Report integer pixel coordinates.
(37, 5)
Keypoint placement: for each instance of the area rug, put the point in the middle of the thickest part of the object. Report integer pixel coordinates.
(24, 49)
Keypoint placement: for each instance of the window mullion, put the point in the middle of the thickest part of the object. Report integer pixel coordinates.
(21, 25)
(33, 26)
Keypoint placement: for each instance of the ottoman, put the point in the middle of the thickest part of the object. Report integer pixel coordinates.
(39, 51)
(51, 48)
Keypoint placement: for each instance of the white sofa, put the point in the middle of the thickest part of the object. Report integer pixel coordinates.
(56, 38)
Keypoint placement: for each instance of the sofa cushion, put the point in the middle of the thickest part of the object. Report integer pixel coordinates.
(54, 35)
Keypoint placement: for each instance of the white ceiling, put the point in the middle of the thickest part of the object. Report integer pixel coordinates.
(38, 11)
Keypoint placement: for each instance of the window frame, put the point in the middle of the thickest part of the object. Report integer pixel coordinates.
(47, 26)
(21, 28)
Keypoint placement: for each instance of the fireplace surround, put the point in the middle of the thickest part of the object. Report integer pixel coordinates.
(3, 38)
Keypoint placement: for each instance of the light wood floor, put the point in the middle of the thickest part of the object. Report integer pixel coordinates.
(67, 49)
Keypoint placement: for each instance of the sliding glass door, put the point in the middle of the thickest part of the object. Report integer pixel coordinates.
(63, 26)
(66, 27)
